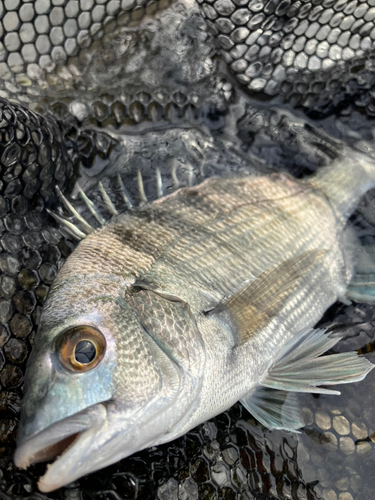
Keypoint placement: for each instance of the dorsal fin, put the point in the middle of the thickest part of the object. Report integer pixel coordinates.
(69, 227)
(69, 206)
(85, 227)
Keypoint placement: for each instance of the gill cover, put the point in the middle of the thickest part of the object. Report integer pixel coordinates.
(109, 375)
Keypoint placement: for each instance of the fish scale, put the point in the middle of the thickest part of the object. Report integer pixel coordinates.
(299, 312)
(180, 267)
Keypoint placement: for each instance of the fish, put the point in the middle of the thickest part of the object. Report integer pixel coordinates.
(170, 313)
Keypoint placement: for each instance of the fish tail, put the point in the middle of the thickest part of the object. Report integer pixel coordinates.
(345, 182)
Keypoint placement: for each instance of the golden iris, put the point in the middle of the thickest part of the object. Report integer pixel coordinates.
(81, 348)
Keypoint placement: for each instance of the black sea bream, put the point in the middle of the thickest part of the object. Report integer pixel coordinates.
(169, 314)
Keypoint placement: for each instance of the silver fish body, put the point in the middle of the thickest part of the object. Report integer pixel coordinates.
(194, 297)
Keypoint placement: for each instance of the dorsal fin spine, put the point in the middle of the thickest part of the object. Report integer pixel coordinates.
(108, 203)
(89, 229)
(124, 193)
(90, 205)
(176, 182)
(68, 226)
(159, 184)
(141, 188)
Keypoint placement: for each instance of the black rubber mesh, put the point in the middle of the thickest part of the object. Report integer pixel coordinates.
(71, 61)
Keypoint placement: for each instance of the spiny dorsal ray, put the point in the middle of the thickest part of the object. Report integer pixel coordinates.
(80, 233)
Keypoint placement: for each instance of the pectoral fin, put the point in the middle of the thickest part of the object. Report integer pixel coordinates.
(253, 307)
(299, 368)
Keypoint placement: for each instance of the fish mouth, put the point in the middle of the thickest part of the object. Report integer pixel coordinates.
(61, 441)
(52, 451)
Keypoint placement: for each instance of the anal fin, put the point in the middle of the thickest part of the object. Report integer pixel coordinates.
(299, 366)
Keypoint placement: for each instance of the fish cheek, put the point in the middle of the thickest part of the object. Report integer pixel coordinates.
(144, 374)
(137, 379)
(174, 353)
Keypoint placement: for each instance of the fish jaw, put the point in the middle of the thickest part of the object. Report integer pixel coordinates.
(60, 438)
(108, 432)
(101, 445)
(97, 437)
(91, 444)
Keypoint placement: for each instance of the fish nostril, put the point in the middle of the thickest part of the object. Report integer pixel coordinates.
(42, 391)
(29, 409)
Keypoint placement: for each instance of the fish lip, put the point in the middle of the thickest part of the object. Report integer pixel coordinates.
(45, 454)
(56, 439)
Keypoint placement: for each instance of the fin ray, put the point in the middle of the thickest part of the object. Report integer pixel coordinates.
(159, 184)
(68, 226)
(89, 229)
(275, 409)
(141, 187)
(107, 200)
(300, 368)
(176, 182)
(90, 205)
(124, 193)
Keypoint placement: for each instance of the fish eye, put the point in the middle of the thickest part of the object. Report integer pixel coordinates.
(85, 352)
(81, 348)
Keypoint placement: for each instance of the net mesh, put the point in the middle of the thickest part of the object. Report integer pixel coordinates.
(111, 85)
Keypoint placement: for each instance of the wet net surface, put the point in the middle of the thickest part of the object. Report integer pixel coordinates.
(107, 87)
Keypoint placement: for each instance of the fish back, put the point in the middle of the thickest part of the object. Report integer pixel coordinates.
(203, 243)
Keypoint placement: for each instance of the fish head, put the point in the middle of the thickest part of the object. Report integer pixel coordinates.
(98, 387)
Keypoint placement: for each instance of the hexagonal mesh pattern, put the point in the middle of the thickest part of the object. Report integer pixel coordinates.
(41, 34)
(32, 150)
(76, 58)
(51, 53)
(268, 43)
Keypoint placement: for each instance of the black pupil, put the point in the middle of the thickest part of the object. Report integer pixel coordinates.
(85, 352)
